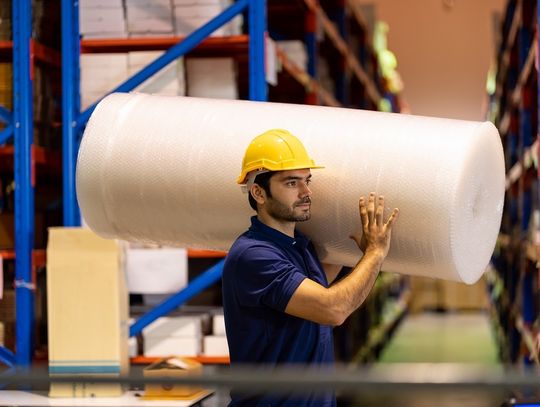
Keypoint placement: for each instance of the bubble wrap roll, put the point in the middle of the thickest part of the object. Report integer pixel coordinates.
(163, 169)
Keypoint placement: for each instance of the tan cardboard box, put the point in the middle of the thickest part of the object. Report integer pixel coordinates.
(172, 367)
(87, 311)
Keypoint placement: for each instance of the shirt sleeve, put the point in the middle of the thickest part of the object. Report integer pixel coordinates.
(265, 277)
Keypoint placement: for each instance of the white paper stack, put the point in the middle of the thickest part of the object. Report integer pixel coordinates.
(296, 52)
(149, 18)
(216, 344)
(102, 19)
(192, 14)
(211, 78)
(168, 336)
(156, 270)
(100, 73)
(168, 82)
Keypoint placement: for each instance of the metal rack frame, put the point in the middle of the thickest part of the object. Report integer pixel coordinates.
(20, 125)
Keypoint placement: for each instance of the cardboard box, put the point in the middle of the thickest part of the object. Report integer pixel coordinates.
(218, 324)
(215, 345)
(156, 271)
(87, 311)
(190, 326)
(98, 20)
(163, 346)
(172, 367)
(211, 78)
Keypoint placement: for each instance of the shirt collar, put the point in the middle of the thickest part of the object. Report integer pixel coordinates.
(299, 241)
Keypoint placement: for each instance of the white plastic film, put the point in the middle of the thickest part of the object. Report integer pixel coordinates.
(162, 170)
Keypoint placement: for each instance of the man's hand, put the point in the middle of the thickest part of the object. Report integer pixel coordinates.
(376, 233)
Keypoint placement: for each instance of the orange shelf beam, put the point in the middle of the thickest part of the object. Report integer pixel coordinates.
(39, 257)
(39, 51)
(40, 156)
(213, 46)
(205, 254)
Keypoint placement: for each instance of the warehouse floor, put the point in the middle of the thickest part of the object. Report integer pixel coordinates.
(440, 338)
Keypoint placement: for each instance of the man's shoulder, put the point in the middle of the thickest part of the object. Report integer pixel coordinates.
(249, 247)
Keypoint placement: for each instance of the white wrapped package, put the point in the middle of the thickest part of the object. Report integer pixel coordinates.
(159, 169)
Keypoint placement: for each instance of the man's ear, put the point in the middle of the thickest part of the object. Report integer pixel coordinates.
(258, 193)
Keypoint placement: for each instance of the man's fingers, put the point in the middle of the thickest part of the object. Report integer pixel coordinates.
(393, 217)
(371, 207)
(363, 212)
(379, 212)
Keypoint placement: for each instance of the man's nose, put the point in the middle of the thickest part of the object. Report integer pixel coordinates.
(304, 190)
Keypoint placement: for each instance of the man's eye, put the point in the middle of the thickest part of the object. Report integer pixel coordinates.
(308, 182)
(291, 183)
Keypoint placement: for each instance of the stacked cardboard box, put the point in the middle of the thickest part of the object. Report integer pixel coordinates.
(100, 73)
(216, 344)
(211, 78)
(87, 311)
(102, 19)
(179, 335)
(192, 14)
(156, 270)
(169, 81)
(149, 18)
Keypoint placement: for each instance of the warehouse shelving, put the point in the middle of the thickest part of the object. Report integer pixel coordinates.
(359, 64)
(358, 83)
(26, 51)
(514, 281)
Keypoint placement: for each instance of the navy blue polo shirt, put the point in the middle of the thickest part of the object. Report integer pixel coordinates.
(263, 269)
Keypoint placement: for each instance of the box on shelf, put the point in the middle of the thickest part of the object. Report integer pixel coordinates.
(180, 335)
(218, 324)
(102, 4)
(190, 326)
(160, 346)
(145, 17)
(100, 73)
(211, 78)
(87, 311)
(156, 270)
(171, 367)
(168, 81)
(99, 22)
(215, 345)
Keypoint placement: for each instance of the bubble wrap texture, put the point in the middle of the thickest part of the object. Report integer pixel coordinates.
(163, 169)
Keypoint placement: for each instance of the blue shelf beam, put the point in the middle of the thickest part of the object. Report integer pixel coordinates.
(24, 190)
(7, 357)
(202, 282)
(6, 134)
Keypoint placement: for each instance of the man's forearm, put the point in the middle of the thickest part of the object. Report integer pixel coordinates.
(350, 292)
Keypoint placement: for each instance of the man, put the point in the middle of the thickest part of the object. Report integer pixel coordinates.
(280, 305)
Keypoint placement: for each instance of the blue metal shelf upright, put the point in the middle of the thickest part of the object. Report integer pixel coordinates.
(20, 126)
(73, 120)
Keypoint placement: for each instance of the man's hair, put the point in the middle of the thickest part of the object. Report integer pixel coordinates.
(263, 180)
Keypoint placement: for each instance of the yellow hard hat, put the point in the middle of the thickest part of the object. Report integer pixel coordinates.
(275, 150)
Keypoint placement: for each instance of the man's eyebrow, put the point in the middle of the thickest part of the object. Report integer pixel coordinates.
(293, 177)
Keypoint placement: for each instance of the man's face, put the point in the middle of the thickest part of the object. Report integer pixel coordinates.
(291, 196)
